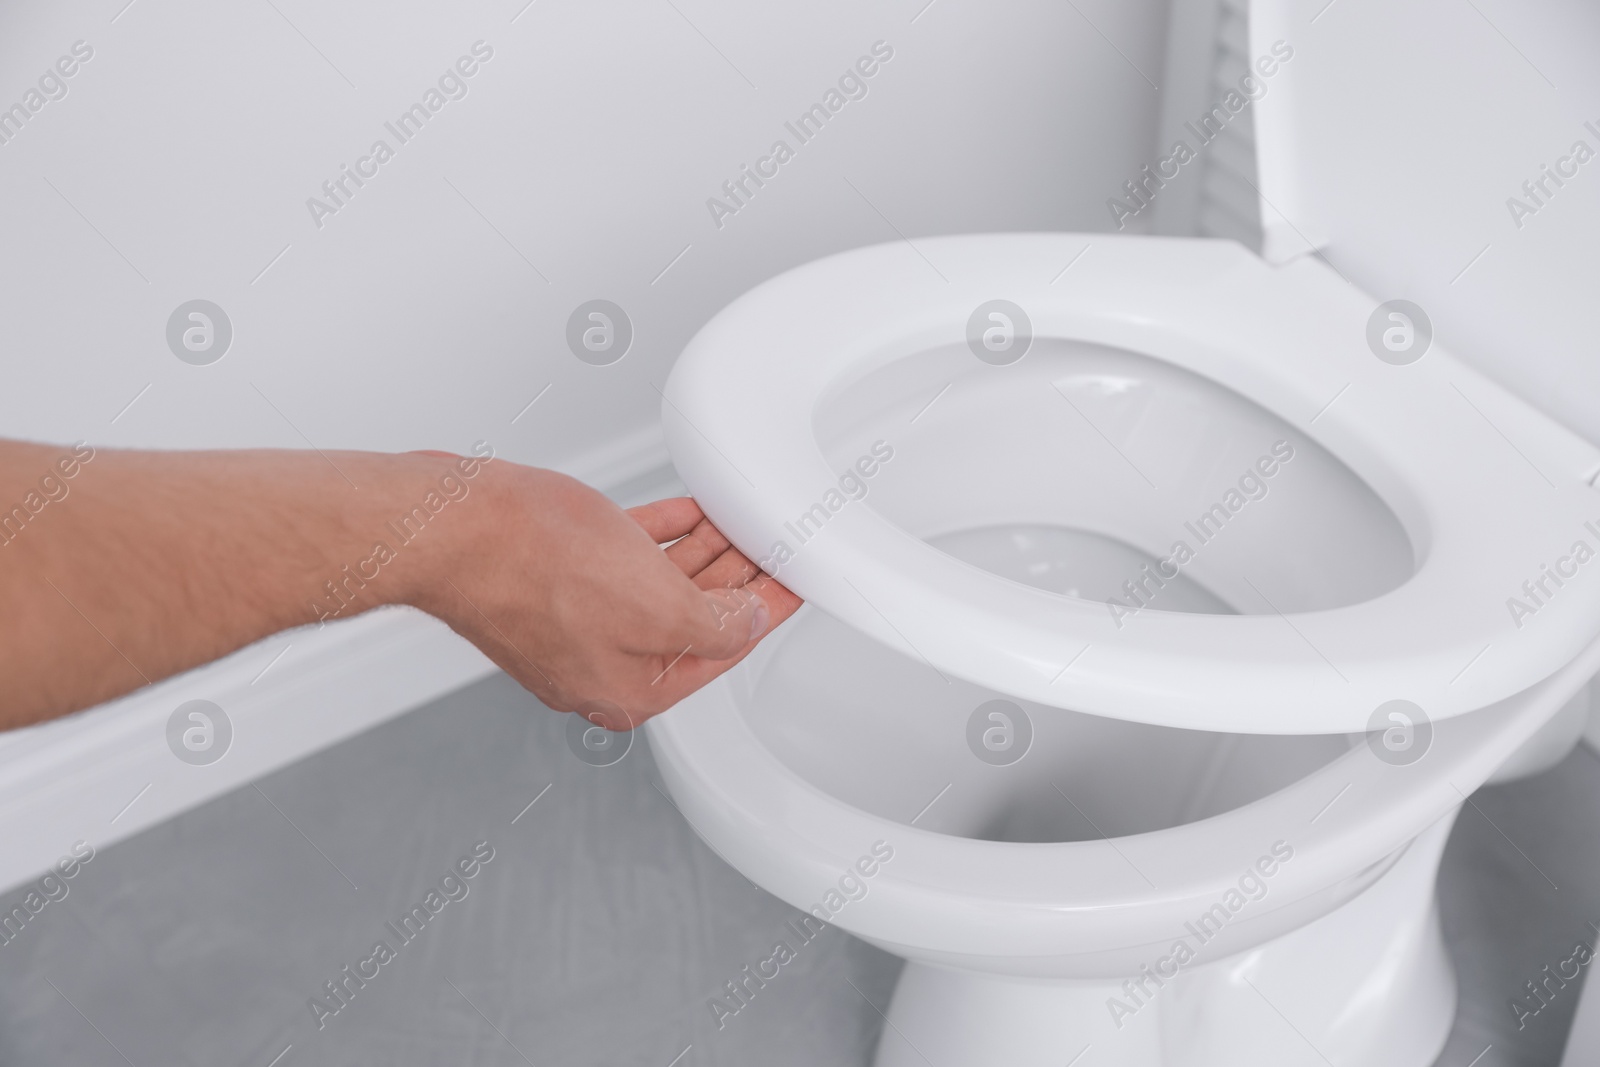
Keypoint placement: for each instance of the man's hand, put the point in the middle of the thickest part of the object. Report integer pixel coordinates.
(576, 600)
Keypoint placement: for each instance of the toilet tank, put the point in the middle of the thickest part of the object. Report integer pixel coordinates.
(1447, 153)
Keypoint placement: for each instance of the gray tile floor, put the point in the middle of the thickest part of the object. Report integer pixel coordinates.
(598, 930)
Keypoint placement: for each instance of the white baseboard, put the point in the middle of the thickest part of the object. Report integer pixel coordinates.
(107, 773)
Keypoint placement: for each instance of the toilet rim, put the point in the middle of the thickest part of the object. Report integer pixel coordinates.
(1291, 340)
(963, 896)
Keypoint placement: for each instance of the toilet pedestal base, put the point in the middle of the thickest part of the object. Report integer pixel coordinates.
(1367, 985)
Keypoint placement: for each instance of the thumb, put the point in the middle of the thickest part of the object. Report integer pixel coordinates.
(732, 619)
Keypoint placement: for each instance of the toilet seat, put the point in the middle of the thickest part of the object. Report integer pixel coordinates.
(1487, 489)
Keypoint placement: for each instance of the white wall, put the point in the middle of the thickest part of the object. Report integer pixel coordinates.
(178, 165)
(591, 141)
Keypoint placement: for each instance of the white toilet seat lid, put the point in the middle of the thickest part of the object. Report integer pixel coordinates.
(1489, 490)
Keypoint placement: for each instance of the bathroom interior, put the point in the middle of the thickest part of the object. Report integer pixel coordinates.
(631, 891)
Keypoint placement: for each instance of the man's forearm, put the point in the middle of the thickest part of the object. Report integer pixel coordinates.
(142, 564)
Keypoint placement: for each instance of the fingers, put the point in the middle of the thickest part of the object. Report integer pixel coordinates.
(731, 570)
(626, 691)
(691, 672)
(729, 621)
(701, 546)
(667, 520)
(780, 601)
(698, 549)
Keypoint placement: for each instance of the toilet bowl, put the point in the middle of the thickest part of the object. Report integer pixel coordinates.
(1157, 629)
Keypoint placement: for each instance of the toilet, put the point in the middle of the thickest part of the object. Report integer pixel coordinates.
(1165, 600)
(1158, 625)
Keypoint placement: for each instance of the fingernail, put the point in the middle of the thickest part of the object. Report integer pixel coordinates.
(759, 619)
